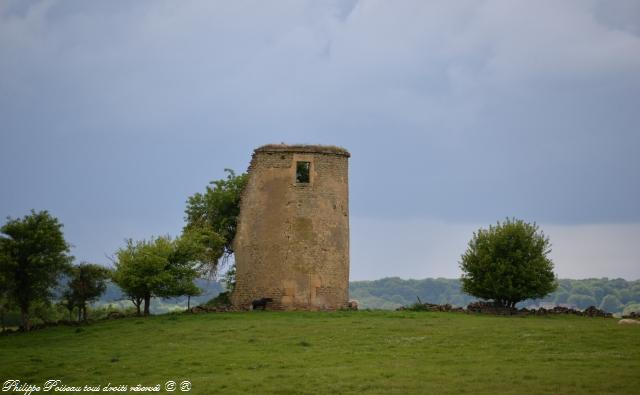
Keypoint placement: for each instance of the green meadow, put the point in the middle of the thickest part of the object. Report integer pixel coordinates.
(335, 352)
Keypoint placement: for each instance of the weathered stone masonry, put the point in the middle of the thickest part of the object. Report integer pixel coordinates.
(292, 240)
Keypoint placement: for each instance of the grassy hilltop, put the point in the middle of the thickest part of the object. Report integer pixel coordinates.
(339, 352)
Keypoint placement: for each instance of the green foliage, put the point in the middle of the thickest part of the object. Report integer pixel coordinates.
(103, 311)
(204, 246)
(5, 301)
(223, 299)
(611, 303)
(117, 299)
(10, 319)
(68, 302)
(33, 255)
(581, 301)
(582, 289)
(508, 263)
(625, 295)
(417, 307)
(632, 308)
(214, 215)
(561, 296)
(337, 352)
(45, 312)
(161, 267)
(86, 283)
(230, 278)
(391, 293)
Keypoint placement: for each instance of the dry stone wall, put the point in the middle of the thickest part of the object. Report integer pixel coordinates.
(292, 240)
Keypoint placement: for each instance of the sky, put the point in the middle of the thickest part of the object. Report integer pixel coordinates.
(457, 115)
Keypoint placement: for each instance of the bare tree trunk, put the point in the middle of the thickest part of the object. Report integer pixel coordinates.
(24, 318)
(136, 302)
(188, 302)
(147, 302)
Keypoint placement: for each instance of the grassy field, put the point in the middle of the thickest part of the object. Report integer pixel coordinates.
(340, 352)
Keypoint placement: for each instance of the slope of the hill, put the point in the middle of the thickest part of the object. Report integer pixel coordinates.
(339, 352)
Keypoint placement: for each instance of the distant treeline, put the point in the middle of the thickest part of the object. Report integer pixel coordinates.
(613, 295)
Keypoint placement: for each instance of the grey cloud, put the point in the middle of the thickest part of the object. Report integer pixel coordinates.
(459, 112)
(424, 248)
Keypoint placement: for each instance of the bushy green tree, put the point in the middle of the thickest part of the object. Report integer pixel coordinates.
(33, 255)
(86, 283)
(162, 267)
(508, 263)
(68, 302)
(214, 214)
(5, 304)
(190, 290)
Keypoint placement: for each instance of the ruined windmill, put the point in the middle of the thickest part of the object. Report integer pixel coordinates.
(292, 240)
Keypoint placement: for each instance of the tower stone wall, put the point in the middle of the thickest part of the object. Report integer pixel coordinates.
(292, 239)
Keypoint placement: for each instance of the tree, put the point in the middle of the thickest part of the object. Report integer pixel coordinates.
(33, 255)
(215, 214)
(4, 299)
(190, 290)
(161, 267)
(508, 263)
(86, 284)
(68, 302)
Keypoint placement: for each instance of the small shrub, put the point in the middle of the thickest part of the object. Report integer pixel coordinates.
(417, 307)
(223, 299)
(106, 311)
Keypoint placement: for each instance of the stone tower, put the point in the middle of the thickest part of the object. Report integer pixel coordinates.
(292, 240)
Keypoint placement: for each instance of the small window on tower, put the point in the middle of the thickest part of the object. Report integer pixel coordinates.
(302, 172)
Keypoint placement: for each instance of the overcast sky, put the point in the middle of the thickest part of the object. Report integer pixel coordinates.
(457, 114)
